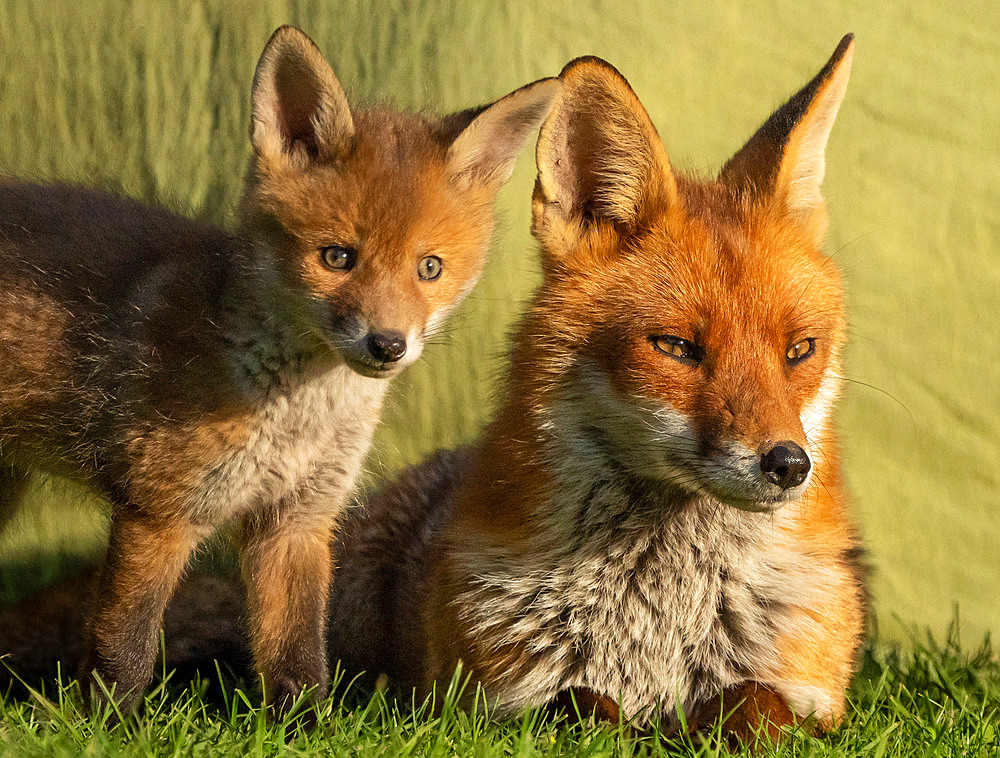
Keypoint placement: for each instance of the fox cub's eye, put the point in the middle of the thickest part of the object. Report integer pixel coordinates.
(429, 268)
(800, 351)
(338, 257)
(681, 349)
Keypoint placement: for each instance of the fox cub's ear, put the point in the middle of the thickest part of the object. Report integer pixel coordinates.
(599, 156)
(298, 109)
(486, 148)
(784, 160)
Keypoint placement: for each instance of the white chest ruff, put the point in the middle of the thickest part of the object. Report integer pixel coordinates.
(657, 611)
(306, 442)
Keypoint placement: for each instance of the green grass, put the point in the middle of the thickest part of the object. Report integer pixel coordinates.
(923, 699)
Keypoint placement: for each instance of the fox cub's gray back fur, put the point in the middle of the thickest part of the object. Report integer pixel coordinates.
(81, 275)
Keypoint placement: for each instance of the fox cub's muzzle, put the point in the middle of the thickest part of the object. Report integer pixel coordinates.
(386, 347)
(380, 352)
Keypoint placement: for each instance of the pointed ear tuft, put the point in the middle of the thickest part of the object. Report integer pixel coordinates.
(298, 109)
(784, 160)
(598, 155)
(490, 137)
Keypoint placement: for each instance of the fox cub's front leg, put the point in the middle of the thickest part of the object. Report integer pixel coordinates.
(286, 566)
(146, 557)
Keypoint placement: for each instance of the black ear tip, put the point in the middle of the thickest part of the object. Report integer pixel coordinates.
(845, 43)
(843, 49)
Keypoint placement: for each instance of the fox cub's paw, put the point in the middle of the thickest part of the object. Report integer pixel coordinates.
(286, 698)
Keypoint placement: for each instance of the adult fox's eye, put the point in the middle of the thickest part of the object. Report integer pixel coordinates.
(800, 351)
(338, 257)
(676, 347)
(429, 268)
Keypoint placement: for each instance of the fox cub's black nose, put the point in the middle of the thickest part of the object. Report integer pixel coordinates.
(786, 464)
(387, 347)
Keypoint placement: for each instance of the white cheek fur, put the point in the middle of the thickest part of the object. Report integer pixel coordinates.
(655, 439)
(816, 415)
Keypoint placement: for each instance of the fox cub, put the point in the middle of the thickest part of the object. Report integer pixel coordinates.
(195, 377)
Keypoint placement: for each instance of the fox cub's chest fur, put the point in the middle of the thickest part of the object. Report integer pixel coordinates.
(311, 432)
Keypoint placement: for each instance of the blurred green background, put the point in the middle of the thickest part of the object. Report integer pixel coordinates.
(151, 99)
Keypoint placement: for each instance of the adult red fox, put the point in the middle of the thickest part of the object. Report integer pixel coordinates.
(195, 377)
(656, 516)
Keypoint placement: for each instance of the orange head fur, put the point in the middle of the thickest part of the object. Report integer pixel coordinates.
(377, 221)
(689, 328)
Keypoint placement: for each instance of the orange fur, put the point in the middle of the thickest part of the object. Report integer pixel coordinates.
(288, 629)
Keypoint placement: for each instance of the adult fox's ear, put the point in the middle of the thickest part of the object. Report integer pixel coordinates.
(298, 109)
(784, 160)
(599, 157)
(489, 138)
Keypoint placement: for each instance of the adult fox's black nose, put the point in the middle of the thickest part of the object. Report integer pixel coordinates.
(387, 347)
(786, 464)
